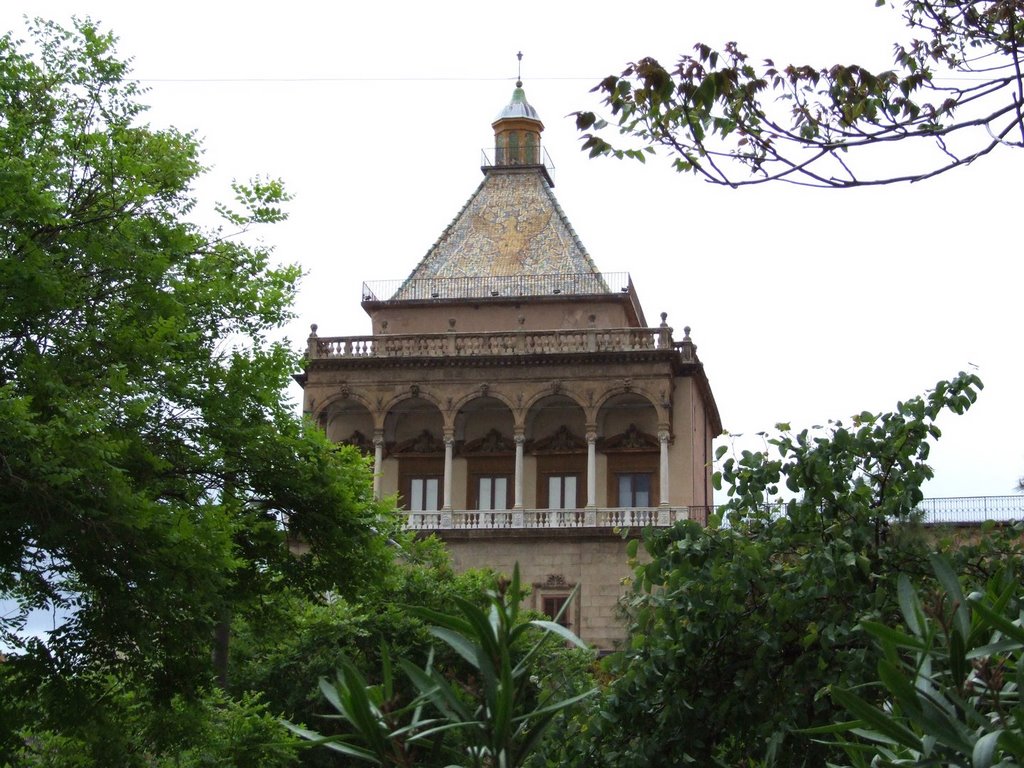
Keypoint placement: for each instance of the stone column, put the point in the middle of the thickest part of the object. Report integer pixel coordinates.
(663, 439)
(449, 444)
(591, 468)
(520, 439)
(378, 461)
(518, 519)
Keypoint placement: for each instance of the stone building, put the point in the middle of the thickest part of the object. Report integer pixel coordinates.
(515, 398)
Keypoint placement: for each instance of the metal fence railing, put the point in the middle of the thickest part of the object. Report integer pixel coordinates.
(523, 155)
(496, 286)
(972, 509)
(947, 510)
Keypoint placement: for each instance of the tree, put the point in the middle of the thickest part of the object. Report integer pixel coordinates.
(956, 88)
(151, 469)
(281, 650)
(197, 731)
(738, 631)
(494, 717)
(950, 678)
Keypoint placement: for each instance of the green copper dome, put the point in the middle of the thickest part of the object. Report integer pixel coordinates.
(519, 107)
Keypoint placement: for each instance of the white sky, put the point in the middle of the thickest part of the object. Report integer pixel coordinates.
(805, 304)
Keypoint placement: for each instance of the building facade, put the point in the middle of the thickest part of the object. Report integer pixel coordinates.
(515, 399)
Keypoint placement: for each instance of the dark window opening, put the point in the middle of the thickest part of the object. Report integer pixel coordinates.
(635, 489)
(552, 604)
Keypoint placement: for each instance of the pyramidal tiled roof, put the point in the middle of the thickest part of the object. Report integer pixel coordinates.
(511, 237)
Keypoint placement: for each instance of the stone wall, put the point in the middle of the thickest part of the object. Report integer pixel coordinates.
(552, 564)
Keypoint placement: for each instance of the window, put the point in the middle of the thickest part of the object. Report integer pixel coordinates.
(552, 604)
(513, 148)
(423, 494)
(531, 149)
(635, 489)
(562, 492)
(492, 492)
(551, 596)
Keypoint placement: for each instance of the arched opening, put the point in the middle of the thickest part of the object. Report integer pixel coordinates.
(349, 422)
(557, 444)
(485, 443)
(631, 451)
(414, 439)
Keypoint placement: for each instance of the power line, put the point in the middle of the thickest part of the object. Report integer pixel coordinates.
(347, 79)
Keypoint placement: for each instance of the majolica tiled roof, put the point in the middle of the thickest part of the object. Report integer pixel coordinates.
(512, 227)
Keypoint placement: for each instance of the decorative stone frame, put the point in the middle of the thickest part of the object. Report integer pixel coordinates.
(556, 586)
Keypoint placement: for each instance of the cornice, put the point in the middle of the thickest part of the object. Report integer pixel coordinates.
(666, 356)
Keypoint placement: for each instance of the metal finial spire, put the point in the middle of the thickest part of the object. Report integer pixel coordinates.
(519, 78)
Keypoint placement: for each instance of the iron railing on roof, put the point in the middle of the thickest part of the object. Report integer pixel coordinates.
(947, 510)
(972, 509)
(496, 286)
(504, 157)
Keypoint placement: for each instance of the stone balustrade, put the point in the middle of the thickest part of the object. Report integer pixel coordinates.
(970, 510)
(503, 343)
(446, 520)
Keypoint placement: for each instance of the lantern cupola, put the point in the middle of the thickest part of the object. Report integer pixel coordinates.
(517, 130)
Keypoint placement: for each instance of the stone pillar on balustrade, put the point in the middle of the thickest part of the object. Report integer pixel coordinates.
(446, 507)
(590, 515)
(517, 508)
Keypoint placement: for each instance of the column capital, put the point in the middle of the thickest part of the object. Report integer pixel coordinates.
(664, 435)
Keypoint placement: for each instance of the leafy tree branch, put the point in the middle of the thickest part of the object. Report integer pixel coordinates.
(954, 95)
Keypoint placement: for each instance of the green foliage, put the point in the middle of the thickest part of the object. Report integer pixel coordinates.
(715, 113)
(150, 468)
(950, 678)
(741, 629)
(210, 729)
(226, 732)
(494, 716)
(283, 648)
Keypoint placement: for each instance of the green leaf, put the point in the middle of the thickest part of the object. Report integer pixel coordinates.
(904, 693)
(470, 651)
(1004, 625)
(944, 573)
(984, 751)
(910, 606)
(564, 633)
(334, 743)
(877, 720)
